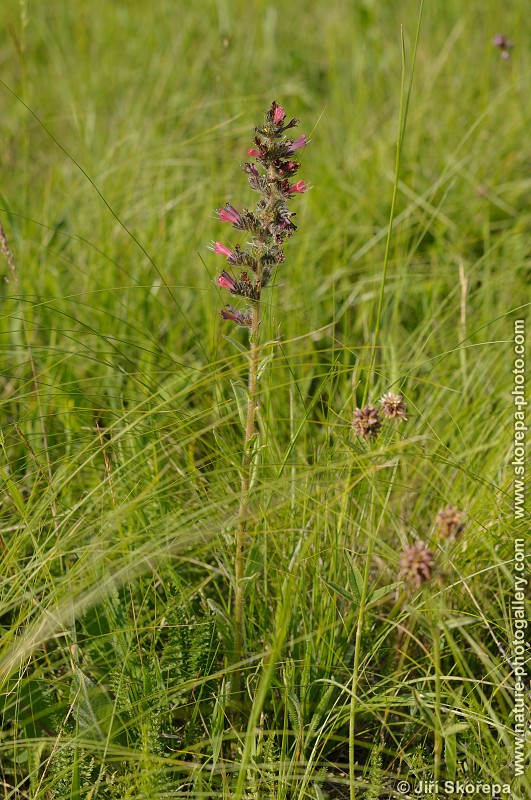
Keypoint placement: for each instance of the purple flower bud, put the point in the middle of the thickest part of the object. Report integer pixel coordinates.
(278, 115)
(239, 317)
(250, 169)
(289, 166)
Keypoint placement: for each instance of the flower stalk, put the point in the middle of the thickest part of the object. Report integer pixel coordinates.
(268, 225)
(243, 516)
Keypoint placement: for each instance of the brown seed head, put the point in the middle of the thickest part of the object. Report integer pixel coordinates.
(450, 522)
(366, 422)
(416, 564)
(394, 405)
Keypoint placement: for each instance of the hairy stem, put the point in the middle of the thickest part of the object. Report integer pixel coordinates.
(244, 501)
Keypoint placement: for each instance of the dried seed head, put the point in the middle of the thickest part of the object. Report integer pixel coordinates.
(416, 564)
(366, 422)
(450, 522)
(394, 405)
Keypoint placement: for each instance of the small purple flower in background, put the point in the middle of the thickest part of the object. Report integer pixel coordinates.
(502, 43)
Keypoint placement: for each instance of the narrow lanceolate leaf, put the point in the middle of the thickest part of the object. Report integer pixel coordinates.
(382, 592)
(264, 363)
(238, 345)
(242, 398)
(356, 582)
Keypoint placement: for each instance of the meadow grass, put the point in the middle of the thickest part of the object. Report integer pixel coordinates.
(123, 126)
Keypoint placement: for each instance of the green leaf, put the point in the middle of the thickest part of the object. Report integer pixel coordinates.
(238, 345)
(255, 560)
(383, 591)
(93, 709)
(242, 400)
(264, 363)
(460, 622)
(356, 582)
(294, 713)
(13, 492)
(341, 591)
(450, 746)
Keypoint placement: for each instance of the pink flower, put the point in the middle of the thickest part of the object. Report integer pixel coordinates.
(278, 114)
(221, 249)
(298, 187)
(226, 282)
(229, 214)
(253, 152)
(297, 144)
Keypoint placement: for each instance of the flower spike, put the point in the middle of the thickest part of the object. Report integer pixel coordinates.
(271, 223)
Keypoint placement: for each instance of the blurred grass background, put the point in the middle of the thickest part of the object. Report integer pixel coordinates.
(123, 128)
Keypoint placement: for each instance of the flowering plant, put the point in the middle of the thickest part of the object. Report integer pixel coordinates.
(269, 225)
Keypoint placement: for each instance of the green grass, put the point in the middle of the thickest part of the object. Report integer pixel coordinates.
(123, 127)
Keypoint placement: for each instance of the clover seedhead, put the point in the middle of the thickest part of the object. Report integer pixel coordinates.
(394, 406)
(450, 522)
(416, 564)
(366, 422)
